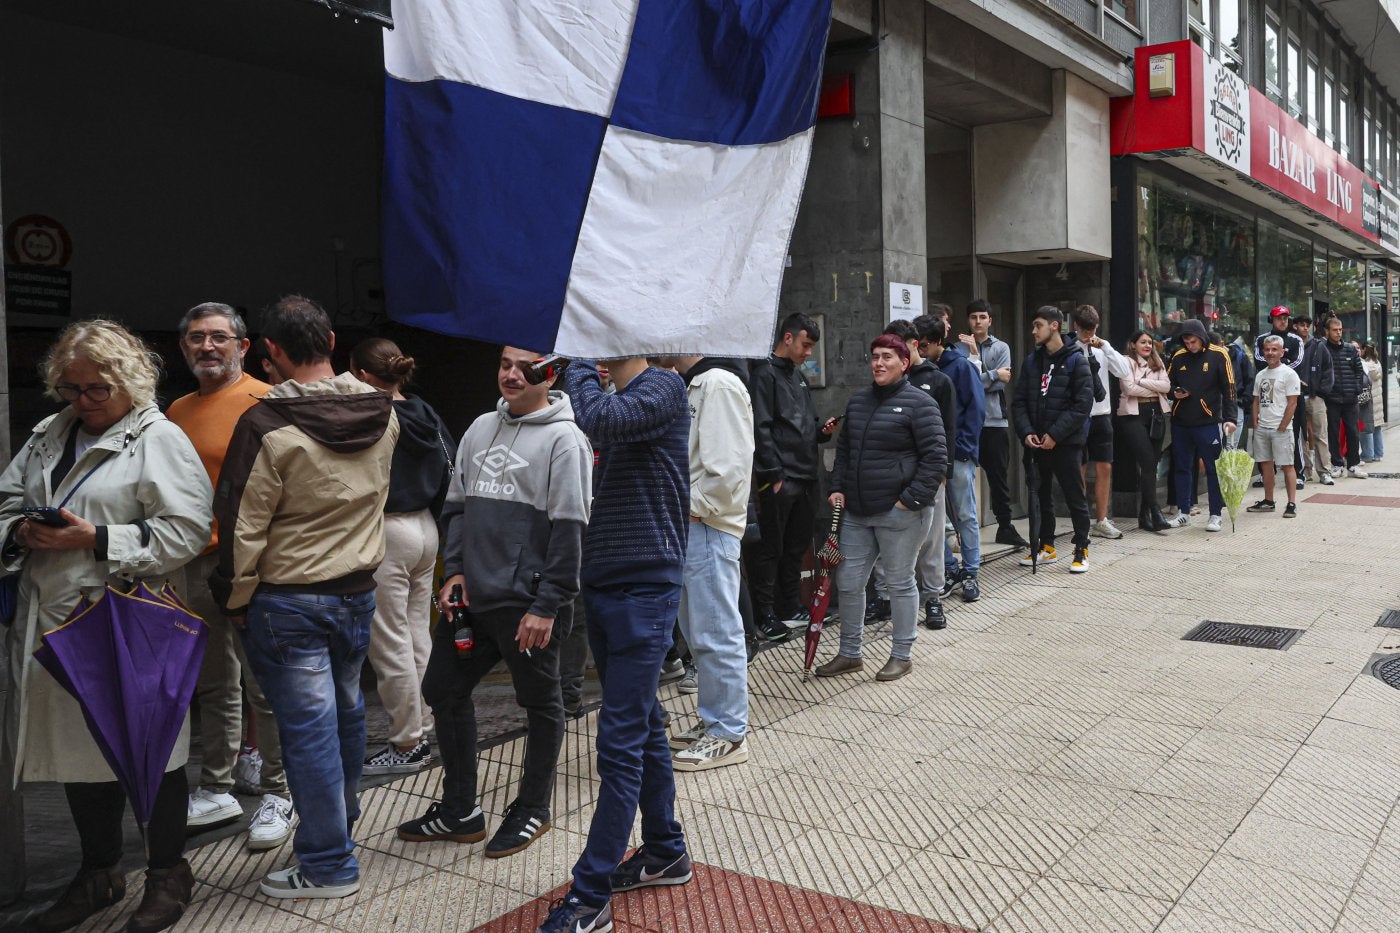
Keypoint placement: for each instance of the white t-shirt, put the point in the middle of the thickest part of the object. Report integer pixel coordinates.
(1273, 387)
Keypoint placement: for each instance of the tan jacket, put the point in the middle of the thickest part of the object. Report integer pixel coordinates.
(300, 502)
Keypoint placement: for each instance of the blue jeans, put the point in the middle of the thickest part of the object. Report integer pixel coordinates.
(893, 537)
(629, 629)
(710, 622)
(1188, 444)
(1372, 444)
(962, 510)
(306, 651)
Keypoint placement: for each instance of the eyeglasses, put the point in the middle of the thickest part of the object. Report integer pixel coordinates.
(218, 339)
(71, 393)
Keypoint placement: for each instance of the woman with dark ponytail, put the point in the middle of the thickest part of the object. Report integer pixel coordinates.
(399, 642)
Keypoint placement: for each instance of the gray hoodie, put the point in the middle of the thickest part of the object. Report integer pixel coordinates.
(517, 507)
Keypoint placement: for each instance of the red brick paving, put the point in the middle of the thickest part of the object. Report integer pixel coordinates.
(723, 901)
(1332, 498)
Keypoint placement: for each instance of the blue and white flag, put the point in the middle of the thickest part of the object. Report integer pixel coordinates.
(602, 178)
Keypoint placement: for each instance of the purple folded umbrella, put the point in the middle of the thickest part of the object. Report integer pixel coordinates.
(131, 660)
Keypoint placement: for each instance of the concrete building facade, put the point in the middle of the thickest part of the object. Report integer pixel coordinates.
(230, 150)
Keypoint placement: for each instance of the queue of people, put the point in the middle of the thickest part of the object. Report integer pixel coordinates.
(302, 518)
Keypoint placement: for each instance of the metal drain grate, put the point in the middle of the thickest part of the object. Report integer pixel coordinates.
(1244, 636)
(1389, 619)
(1387, 670)
(1382, 475)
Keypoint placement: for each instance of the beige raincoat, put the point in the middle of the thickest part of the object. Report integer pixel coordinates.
(146, 470)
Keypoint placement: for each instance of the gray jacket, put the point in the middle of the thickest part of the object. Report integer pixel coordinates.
(517, 507)
(995, 354)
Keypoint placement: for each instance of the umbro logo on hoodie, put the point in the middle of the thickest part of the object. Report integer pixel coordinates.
(499, 460)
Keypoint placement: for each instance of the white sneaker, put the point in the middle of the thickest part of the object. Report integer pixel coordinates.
(1213, 524)
(272, 823)
(207, 808)
(1338, 471)
(1327, 480)
(1104, 528)
(711, 752)
(1357, 473)
(247, 772)
(1179, 520)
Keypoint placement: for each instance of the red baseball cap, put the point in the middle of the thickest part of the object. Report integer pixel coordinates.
(1280, 311)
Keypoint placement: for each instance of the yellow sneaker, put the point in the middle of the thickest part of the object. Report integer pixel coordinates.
(1046, 556)
(1080, 564)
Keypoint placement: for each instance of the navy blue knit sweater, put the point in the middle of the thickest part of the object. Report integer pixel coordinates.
(641, 491)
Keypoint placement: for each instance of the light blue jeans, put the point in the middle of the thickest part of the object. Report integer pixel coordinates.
(895, 538)
(962, 510)
(306, 650)
(1372, 444)
(710, 622)
(929, 566)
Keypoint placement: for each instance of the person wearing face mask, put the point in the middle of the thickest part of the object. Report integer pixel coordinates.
(1142, 414)
(135, 504)
(891, 457)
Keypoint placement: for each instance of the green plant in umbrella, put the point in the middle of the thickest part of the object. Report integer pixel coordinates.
(1234, 467)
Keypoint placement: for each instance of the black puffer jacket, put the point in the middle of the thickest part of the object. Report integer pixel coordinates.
(1348, 375)
(1054, 394)
(891, 449)
(785, 423)
(930, 379)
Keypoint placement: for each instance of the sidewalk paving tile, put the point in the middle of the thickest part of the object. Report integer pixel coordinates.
(1327, 808)
(1020, 842)
(1053, 905)
(959, 891)
(1160, 870)
(1263, 896)
(1326, 856)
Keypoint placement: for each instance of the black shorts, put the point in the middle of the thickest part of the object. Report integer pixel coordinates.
(1098, 448)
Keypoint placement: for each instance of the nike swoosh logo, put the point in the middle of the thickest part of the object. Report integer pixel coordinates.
(651, 876)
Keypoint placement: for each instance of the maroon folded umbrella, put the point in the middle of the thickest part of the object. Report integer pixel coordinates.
(131, 660)
(829, 556)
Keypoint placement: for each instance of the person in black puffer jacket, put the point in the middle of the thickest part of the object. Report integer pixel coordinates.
(890, 460)
(1349, 378)
(1050, 412)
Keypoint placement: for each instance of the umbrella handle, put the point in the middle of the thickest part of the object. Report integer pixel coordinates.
(836, 516)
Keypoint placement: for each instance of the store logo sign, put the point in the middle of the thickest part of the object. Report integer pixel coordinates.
(1227, 116)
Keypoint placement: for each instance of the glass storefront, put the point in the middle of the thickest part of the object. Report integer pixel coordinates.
(1225, 267)
(1195, 260)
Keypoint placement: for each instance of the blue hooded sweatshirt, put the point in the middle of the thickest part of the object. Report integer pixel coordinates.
(971, 401)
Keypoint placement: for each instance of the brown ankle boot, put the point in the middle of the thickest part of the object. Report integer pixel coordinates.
(168, 893)
(91, 891)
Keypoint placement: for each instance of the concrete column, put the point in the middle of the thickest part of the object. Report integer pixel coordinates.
(862, 222)
(903, 193)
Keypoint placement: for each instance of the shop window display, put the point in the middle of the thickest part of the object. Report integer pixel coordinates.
(1195, 261)
(1285, 272)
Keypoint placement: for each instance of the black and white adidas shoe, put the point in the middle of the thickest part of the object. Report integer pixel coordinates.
(520, 828)
(436, 824)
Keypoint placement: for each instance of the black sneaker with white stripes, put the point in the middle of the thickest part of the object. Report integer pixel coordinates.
(437, 824)
(521, 827)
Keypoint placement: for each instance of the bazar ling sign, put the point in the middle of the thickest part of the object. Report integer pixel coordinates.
(1214, 111)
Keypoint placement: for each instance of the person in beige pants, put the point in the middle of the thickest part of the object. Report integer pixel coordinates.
(400, 640)
(214, 340)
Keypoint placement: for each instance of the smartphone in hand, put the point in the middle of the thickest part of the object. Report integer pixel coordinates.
(44, 515)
